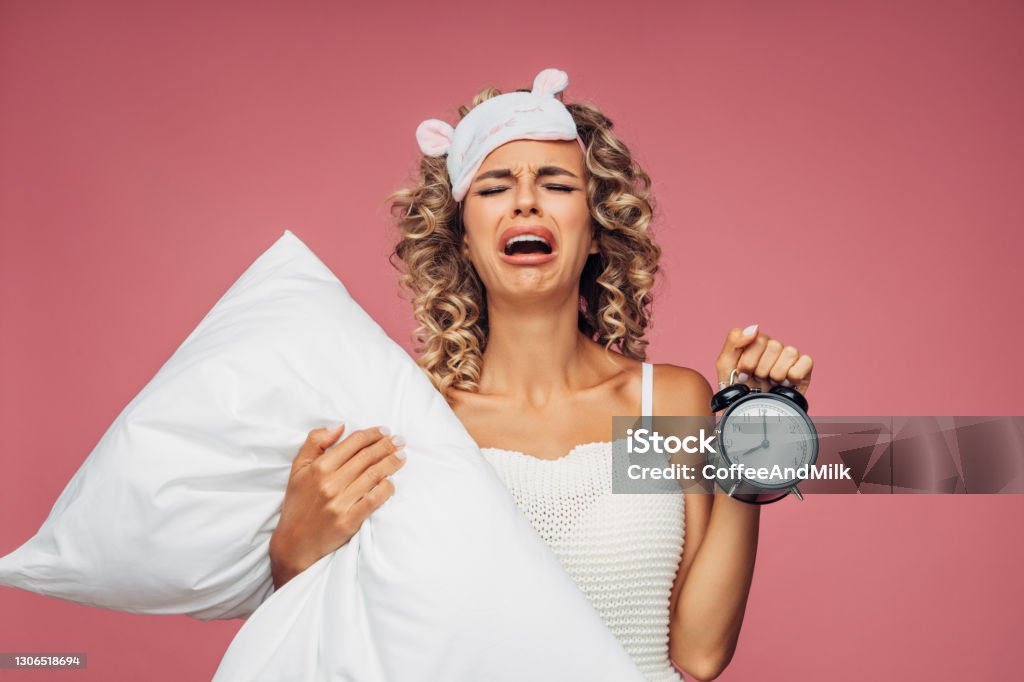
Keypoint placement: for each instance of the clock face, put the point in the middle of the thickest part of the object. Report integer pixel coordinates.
(764, 430)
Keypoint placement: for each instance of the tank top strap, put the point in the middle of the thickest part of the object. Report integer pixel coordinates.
(646, 394)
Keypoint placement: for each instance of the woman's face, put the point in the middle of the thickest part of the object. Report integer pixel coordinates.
(528, 191)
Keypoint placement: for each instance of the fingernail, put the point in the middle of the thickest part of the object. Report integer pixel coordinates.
(332, 429)
(398, 440)
(400, 454)
(384, 431)
(785, 382)
(742, 376)
(750, 330)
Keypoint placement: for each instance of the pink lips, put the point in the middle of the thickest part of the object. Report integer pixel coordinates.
(527, 258)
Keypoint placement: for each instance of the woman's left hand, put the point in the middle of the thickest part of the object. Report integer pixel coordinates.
(762, 362)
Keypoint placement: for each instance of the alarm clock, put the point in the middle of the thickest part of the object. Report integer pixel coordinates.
(762, 432)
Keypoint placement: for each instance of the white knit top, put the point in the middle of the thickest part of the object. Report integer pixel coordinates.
(621, 549)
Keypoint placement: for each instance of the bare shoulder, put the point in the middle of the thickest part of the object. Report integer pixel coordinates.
(680, 391)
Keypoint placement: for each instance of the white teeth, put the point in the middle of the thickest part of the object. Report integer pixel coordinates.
(526, 238)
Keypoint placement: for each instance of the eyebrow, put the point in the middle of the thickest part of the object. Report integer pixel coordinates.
(542, 171)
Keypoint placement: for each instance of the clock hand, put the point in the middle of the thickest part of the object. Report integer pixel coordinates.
(764, 420)
(751, 450)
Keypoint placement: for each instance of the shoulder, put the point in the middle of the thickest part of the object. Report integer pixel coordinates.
(680, 391)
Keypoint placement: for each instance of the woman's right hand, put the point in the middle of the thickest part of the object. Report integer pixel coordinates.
(331, 491)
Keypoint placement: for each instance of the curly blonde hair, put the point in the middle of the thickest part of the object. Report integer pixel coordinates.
(449, 301)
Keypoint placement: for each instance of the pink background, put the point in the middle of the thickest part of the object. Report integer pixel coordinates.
(857, 166)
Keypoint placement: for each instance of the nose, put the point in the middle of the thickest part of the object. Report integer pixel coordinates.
(526, 199)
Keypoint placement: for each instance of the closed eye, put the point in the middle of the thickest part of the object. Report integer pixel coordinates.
(498, 190)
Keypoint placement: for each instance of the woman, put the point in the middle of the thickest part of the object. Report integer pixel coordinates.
(525, 247)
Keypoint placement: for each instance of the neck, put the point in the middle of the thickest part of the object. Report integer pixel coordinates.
(535, 352)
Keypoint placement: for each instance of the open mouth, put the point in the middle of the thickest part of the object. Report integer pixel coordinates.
(527, 244)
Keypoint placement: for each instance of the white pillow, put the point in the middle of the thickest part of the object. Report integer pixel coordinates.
(172, 511)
